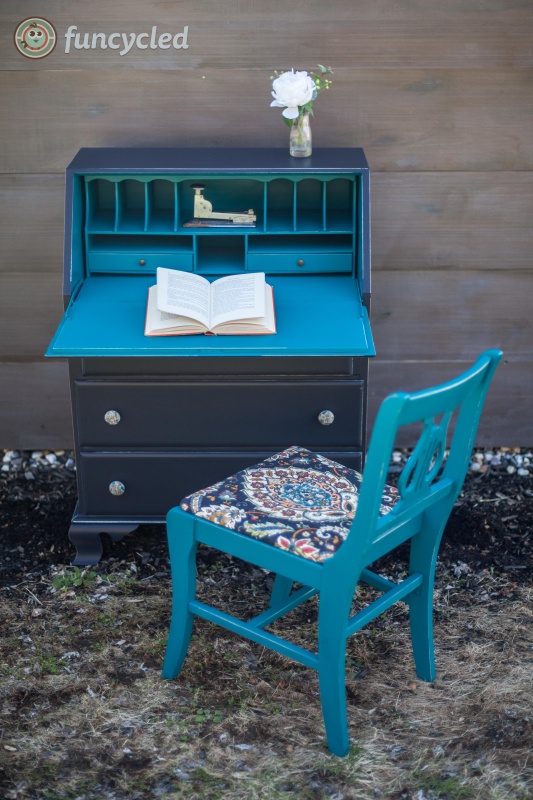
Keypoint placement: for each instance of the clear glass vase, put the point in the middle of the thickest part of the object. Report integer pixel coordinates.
(300, 140)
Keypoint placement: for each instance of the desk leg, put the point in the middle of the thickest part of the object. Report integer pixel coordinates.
(85, 536)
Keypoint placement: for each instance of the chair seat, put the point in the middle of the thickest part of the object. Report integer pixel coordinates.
(296, 500)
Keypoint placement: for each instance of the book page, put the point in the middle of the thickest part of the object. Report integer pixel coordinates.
(183, 293)
(159, 323)
(237, 297)
(255, 325)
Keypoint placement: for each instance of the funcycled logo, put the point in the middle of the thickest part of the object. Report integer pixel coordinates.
(35, 37)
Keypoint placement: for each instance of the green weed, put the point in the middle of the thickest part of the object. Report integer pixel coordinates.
(51, 665)
(75, 577)
(202, 716)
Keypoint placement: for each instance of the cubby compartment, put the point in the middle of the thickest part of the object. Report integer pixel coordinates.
(220, 254)
(131, 206)
(138, 254)
(340, 205)
(101, 204)
(309, 205)
(162, 206)
(310, 202)
(225, 195)
(280, 205)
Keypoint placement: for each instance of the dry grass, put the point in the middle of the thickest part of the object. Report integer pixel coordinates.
(86, 716)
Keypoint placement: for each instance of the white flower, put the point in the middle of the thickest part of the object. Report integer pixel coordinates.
(290, 90)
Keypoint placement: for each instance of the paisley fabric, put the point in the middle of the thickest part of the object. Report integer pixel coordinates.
(297, 500)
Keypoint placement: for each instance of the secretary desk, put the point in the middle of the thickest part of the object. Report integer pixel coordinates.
(156, 418)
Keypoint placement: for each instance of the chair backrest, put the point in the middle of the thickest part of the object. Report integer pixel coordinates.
(430, 482)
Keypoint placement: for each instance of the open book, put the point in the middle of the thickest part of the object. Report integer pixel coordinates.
(184, 303)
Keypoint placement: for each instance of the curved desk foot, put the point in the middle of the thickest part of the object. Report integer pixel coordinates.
(85, 536)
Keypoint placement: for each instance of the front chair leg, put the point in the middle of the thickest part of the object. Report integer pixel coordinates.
(332, 672)
(182, 547)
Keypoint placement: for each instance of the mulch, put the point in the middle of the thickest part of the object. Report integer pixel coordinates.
(489, 533)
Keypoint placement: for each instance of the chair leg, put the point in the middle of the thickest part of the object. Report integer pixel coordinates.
(423, 559)
(332, 671)
(182, 548)
(281, 590)
(421, 622)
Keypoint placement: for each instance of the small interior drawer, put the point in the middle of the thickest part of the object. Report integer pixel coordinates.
(219, 414)
(300, 262)
(114, 261)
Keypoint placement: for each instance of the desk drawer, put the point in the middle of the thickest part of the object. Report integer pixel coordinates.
(149, 484)
(300, 262)
(252, 414)
(147, 263)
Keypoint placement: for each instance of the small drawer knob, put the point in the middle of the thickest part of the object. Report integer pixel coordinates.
(326, 417)
(142, 262)
(116, 488)
(300, 262)
(112, 417)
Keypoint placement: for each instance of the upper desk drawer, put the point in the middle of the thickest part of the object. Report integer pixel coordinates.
(145, 263)
(138, 254)
(301, 253)
(220, 414)
(300, 262)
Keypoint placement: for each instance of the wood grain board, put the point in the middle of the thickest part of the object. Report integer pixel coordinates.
(406, 119)
(230, 35)
(440, 97)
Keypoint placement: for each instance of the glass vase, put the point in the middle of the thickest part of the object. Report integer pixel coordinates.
(300, 140)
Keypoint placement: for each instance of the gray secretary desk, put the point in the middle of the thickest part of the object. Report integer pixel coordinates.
(156, 418)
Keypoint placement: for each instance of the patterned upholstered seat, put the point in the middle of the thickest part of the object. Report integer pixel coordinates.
(297, 500)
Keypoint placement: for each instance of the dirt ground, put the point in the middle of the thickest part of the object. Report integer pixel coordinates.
(85, 715)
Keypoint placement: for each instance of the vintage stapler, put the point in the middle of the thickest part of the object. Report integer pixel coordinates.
(205, 217)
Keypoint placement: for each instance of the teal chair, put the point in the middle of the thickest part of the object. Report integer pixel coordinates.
(318, 524)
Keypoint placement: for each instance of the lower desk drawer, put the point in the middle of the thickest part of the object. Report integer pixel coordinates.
(154, 483)
(213, 414)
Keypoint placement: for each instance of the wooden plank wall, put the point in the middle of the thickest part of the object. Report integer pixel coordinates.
(438, 94)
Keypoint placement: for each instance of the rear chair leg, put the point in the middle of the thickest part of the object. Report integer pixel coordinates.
(281, 590)
(421, 622)
(423, 559)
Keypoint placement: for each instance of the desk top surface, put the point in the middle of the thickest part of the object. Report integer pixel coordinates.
(214, 160)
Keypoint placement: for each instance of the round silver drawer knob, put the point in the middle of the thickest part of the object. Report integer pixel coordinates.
(117, 488)
(112, 417)
(326, 417)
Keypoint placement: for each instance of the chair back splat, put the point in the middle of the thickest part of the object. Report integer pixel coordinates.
(315, 522)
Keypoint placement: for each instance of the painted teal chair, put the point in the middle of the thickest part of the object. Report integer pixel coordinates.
(319, 524)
